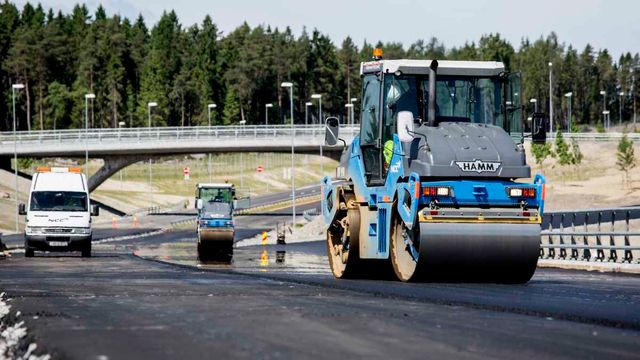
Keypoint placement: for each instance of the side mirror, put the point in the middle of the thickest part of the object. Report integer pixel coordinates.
(405, 126)
(22, 209)
(539, 128)
(235, 204)
(331, 131)
(199, 204)
(95, 210)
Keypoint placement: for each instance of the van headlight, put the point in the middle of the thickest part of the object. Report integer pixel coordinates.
(82, 231)
(34, 230)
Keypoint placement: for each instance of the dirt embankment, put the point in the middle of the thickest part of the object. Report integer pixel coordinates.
(595, 183)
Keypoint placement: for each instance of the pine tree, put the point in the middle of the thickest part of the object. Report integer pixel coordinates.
(231, 109)
(625, 157)
(562, 150)
(57, 105)
(576, 153)
(541, 152)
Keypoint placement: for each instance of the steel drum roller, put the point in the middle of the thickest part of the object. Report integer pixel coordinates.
(488, 252)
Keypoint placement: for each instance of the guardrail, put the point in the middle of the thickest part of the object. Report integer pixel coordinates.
(595, 136)
(198, 132)
(166, 133)
(561, 239)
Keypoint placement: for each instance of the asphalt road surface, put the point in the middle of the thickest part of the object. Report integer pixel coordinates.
(280, 301)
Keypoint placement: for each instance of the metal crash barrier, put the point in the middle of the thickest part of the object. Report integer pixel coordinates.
(591, 235)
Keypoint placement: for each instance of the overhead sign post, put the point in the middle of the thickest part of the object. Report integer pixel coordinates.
(260, 169)
(185, 172)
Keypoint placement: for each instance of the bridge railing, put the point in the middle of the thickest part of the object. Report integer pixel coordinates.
(231, 131)
(169, 133)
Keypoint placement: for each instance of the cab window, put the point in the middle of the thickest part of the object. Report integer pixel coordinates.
(370, 128)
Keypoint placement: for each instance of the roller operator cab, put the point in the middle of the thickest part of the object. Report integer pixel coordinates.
(430, 184)
(58, 212)
(215, 227)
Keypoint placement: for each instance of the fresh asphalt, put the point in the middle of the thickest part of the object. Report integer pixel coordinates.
(280, 301)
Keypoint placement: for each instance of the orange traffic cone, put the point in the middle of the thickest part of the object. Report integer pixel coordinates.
(264, 238)
(135, 221)
(264, 258)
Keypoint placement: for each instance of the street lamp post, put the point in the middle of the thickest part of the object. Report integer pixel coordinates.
(149, 106)
(266, 113)
(120, 125)
(320, 121)
(633, 92)
(15, 87)
(604, 111)
(87, 97)
(293, 184)
(349, 107)
(209, 107)
(550, 97)
(319, 98)
(353, 112)
(535, 104)
(606, 115)
(620, 94)
(306, 111)
(569, 95)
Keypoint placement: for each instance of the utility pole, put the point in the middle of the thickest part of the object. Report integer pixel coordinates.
(293, 183)
(209, 107)
(604, 108)
(633, 94)
(551, 97)
(15, 87)
(86, 133)
(620, 95)
(149, 106)
(569, 95)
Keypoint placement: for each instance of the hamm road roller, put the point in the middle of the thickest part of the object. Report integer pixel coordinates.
(214, 223)
(429, 186)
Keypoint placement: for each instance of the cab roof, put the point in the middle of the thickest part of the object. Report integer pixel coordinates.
(445, 67)
(215, 185)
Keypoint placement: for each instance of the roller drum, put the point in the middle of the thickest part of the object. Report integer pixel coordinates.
(486, 252)
(216, 236)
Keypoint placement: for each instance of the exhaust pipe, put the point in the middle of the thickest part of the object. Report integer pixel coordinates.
(433, 68)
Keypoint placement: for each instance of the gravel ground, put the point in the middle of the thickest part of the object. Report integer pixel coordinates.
(15, 342)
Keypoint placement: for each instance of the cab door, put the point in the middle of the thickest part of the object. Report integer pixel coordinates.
(513, 105)
(370, 131)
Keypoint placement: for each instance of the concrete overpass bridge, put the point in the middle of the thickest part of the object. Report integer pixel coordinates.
(124, 146)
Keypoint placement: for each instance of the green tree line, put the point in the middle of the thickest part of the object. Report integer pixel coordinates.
(61, 57)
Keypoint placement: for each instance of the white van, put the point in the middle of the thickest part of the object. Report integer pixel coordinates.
(58, 212)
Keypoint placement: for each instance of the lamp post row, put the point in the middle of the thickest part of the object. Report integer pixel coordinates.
(152, 104)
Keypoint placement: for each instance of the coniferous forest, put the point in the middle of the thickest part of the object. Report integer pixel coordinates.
(127, 63)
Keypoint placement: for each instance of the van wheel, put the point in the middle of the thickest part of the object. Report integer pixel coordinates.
(28, 252)
(86, 251)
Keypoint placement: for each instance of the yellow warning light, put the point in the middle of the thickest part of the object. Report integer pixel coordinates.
(75, 170)
(377, 53)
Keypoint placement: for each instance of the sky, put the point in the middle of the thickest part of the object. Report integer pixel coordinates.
(612, 24)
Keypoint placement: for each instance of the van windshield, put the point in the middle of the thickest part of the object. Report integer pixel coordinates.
(58, 201)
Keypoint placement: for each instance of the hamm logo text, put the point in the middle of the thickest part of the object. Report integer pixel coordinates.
(478, 166)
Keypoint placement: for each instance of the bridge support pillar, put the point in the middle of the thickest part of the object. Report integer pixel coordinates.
(112, 164)
(5, 163)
